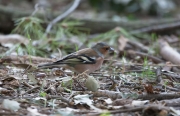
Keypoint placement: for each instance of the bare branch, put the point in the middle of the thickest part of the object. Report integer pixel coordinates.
(60, 17)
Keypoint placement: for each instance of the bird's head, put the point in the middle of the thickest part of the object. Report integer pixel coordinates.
(102, 49)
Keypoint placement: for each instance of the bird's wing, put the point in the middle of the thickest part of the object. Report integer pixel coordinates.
(84, 56)
(76, 59)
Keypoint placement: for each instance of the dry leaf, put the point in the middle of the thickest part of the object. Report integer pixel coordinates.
(122, 43)
(11, 104)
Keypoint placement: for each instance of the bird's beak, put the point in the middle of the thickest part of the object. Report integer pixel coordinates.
(111, 50)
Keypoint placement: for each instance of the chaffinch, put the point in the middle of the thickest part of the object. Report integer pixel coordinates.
(88, 59)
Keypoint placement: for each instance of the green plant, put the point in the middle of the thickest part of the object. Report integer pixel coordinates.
(67, 84)
(165, 85)
(30, 27)
(154, 43)
(68, 29)
(42, 94)
(105, 114)
(147, 71)
(112, 36)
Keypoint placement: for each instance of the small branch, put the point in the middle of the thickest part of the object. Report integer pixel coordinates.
(170, 88)
(158, 75)
(51, 86)
(30, 90)
(143, 108)
(158, 96)
(156, 28)
(139, 45)
(25, 59)
(60, 17)
(28, 85)
(144, 55)
(168, 53)
(68, 101)
(35, 9)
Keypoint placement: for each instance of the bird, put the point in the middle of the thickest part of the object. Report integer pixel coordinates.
(85, 60)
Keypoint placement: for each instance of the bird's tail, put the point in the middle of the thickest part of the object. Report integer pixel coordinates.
(50, 65)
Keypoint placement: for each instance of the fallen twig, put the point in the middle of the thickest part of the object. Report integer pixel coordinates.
(168, 53)
(68, 101)
(158, 96)
(28, 85)
(30, 90)
(24, 59)
(153, 58)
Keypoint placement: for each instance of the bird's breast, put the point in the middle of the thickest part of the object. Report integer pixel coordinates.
(89, 68)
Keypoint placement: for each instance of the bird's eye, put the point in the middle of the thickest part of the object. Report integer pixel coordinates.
(106, 48)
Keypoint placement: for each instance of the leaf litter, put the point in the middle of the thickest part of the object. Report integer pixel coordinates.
(130, 81)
